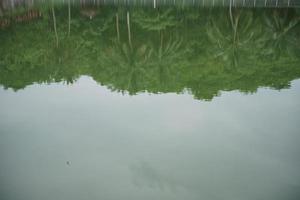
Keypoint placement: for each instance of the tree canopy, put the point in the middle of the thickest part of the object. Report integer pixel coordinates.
(202, 51)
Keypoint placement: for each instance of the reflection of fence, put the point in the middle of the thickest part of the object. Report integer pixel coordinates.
(9, 4)
(25, 17)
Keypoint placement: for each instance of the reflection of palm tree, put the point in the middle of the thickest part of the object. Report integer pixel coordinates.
(280, 25)
(135, 67)
(127, 65)
(139, 63)
(166, 51)
(165, 57)
(157, 21)
(230, 46)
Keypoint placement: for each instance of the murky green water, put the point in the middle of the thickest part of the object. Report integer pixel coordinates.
(142, 103)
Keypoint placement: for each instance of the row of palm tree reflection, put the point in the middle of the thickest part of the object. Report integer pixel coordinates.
(168, 50)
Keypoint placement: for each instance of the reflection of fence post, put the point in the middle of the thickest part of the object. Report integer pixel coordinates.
(154, 3)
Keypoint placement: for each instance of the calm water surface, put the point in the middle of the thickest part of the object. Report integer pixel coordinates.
(150, 104)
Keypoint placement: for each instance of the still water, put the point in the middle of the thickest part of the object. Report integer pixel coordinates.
(142, 103)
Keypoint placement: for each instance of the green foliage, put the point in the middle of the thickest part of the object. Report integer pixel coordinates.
(155, 21)
(200, 51)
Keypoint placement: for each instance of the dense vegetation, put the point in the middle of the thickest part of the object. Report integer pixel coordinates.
(203, 51)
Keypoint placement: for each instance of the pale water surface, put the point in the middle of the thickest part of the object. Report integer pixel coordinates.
(82, 141)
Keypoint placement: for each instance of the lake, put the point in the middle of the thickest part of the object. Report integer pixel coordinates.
(177, 102)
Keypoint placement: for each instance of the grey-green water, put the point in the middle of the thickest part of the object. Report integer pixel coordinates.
(164, 146)
(139, 103)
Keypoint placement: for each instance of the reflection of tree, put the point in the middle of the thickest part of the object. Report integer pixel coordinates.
(233, 35)
(126, 65)
(164, 61)
(155, 21)
(158, 54)
(279, 25)
(169, 48)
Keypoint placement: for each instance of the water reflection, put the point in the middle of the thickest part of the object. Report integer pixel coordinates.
(87, 140)
(133, 50)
